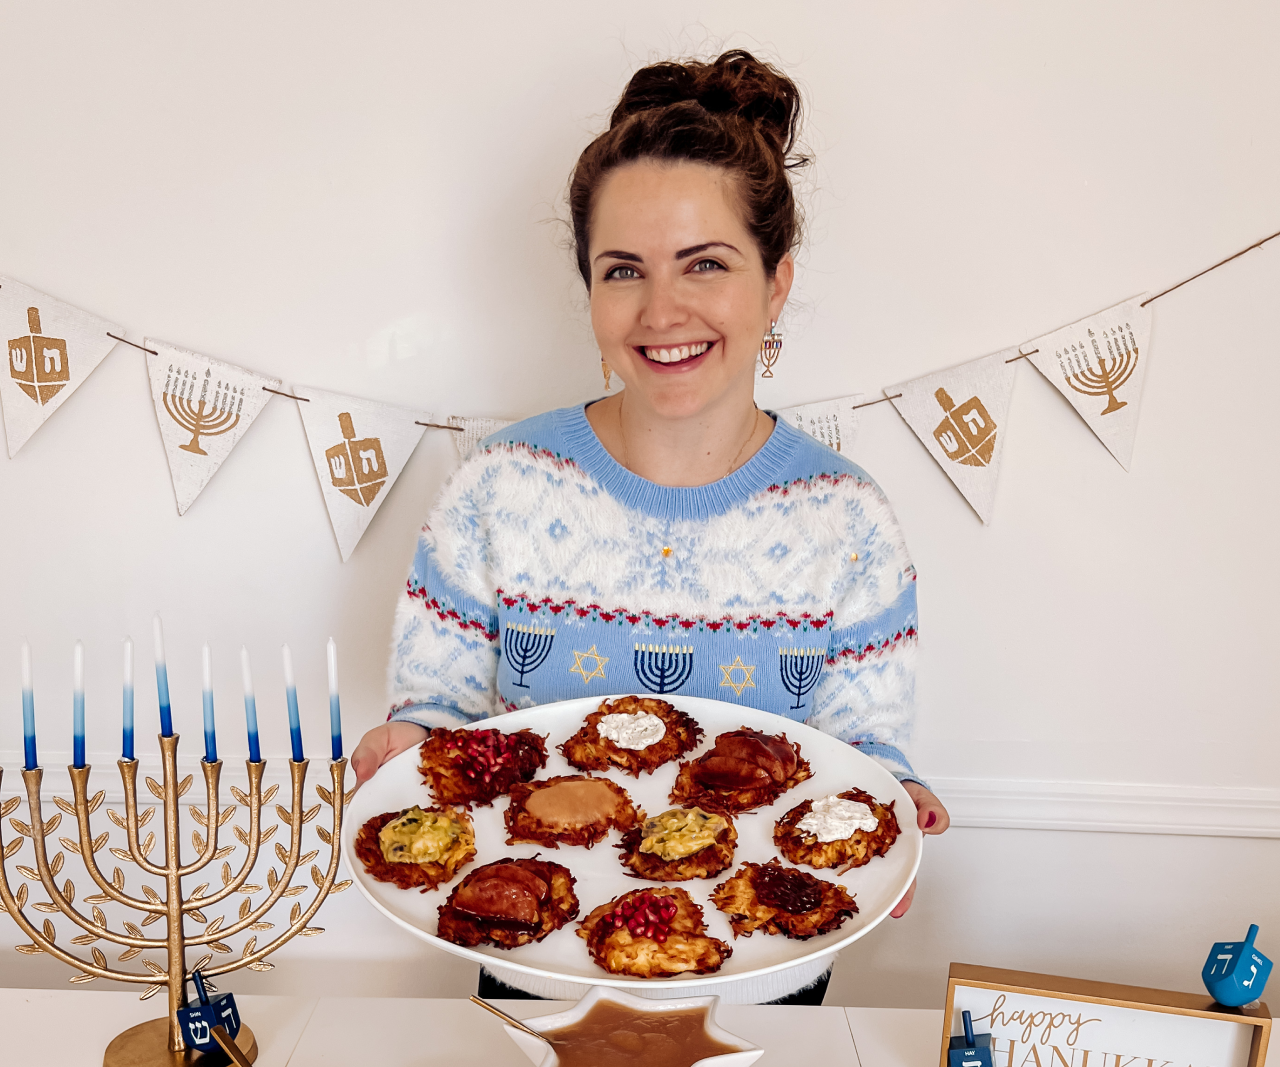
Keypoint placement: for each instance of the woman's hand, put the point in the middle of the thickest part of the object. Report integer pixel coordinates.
(932, 818)
(381, 743)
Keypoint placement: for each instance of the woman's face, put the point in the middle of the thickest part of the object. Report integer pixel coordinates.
(679, 296)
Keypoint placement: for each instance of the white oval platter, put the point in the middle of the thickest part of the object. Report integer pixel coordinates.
(837, 766)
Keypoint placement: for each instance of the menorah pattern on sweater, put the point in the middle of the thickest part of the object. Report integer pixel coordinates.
(548, 571)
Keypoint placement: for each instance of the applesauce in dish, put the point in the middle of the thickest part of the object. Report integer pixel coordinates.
(612, 1035)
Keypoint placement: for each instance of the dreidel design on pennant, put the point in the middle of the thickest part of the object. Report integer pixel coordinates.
(39, 364)
(1235, 971)
(968, 434)
(357, 467)
(969, 1049)
(198, 1020)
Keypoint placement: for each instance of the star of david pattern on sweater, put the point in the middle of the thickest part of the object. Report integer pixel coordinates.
(785, 586)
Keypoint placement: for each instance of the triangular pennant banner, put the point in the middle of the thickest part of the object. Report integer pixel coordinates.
(204, 407)
(359, 448)
(53, 348)
(962, 415)
(833, 422)
(1099, 364)
(473, 432)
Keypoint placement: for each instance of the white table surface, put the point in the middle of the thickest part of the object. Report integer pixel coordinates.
(71, 1028)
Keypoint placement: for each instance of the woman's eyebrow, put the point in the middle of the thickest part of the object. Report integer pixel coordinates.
(630, 257)
(685, 253)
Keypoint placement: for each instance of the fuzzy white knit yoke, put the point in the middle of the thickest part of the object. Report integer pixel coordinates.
(547, 570)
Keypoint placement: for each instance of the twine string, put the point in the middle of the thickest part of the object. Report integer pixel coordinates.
(305, 399)
(440, 426)
(1220, 263)
(126, 341)
(854, 407)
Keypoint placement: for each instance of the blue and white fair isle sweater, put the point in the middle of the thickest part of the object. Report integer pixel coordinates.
(547, 570)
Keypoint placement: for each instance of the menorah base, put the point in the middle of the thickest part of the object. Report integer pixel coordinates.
(147, 1045)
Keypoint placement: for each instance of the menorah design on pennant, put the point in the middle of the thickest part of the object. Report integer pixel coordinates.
(1114, 369)
(663, 668)
(161, 1040)
(800, 669)
(39, 364)
(200, 418)
(527, 648)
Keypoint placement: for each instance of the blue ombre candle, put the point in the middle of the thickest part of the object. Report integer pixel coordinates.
(291, 695)
(77, 707)
(126, 747)
(162, 679)
(210, 737)
(335, 710)
(28, 710)
(250, 706)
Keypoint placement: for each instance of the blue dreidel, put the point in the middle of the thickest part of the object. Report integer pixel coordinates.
(197, 1021)
(970, 1049)
(1235, 971)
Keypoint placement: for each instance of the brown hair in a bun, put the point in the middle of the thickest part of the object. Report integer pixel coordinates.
(735, 112)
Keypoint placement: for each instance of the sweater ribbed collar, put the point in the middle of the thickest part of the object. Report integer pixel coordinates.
(766, 468)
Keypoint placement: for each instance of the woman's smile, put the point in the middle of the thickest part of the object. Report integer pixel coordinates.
(672, 357)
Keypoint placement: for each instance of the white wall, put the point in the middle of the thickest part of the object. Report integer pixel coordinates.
(361, 197)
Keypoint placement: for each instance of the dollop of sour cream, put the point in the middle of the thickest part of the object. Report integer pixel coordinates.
(835, 819)
(632, 731)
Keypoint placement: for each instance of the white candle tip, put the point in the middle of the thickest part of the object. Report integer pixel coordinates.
(26, 665)
(287, 656)
(157, 633)
(128, 662)
(78, 662)
(206, 662)
(246, 675)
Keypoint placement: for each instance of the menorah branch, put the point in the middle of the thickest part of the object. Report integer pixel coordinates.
(212, 774)
(129, 774)
(298, 774)
(324, 886)
(252, 840)
(87, 846)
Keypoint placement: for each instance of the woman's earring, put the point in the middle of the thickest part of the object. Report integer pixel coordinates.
(608, 374)
(770, 349)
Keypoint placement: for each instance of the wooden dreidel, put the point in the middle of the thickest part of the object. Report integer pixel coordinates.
(1235, 971)
(970, 1049)
(197, 1021)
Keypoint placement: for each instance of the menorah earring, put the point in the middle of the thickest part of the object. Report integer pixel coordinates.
(770, 349)
(608, 374)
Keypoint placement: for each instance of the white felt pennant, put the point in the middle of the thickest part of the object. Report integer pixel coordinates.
(53, 347)
(359, 447)
(961, 415)
(204, 407)
(473, 432)
(1099, 364)
(833, 422)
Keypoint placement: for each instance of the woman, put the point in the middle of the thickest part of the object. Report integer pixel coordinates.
(675, 511)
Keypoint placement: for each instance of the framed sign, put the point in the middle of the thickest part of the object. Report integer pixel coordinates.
(1037, 1020)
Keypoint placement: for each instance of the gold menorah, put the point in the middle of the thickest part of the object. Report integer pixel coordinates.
(160, 1041)
(1113, 371)
(222, 415)
(770, 350)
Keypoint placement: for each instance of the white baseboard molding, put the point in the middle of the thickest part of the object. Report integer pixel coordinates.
(995, 803)
(1111, 807)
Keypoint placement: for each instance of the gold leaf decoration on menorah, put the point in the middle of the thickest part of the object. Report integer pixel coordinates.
(213, 930)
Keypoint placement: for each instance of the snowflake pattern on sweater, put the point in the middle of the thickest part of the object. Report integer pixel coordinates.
(548, 571)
